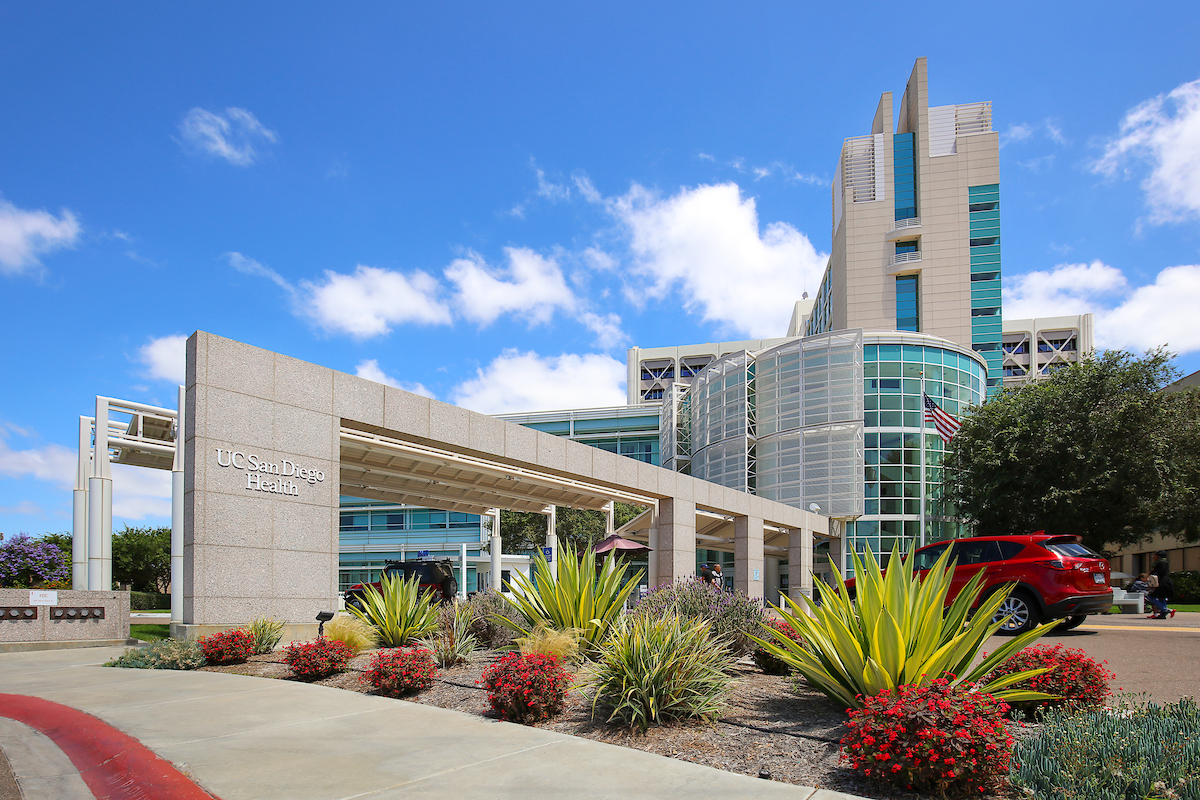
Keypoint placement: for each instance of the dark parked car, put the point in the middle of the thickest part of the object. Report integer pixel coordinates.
(1055, 577)
(435, 576)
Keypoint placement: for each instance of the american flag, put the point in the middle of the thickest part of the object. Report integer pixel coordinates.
(946, 424)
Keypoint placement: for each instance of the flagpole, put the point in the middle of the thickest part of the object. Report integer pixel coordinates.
(922, 534)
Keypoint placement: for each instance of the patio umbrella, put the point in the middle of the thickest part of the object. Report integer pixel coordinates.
(623, 546)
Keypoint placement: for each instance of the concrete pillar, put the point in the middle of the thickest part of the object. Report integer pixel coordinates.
(652, 578)
(800, 564)
(462, 571)
(79, 515)
(177, 517)
(838, 545)
(771, 580)
(99, 524)
(677, 540)
(610, 519)
(496, 567)
(748, 556)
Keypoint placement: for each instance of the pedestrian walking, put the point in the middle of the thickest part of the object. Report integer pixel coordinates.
(1161, 587)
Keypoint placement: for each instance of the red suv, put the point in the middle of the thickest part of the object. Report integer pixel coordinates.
(1056, 577)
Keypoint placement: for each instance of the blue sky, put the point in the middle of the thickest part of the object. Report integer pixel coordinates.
(489, 204)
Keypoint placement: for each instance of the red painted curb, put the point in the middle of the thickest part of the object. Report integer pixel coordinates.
(114, 765)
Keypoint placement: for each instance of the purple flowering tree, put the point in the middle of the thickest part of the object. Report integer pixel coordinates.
(25, 563)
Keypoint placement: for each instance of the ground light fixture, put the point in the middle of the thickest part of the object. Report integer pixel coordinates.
(322, 618)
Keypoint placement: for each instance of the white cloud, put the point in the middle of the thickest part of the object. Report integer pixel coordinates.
(531, 286)
(371, 370)
(1160, 313)
(368, 302)
(231, 135)
(249, 266)
(1016, 133)
(554, 192)
(26, 234)
(517, 381)
(52, 462)
(23, 507)
(706, 242)
(1165, 132)
(140, 493)
(607, 328)
(1066, 289)
(165, 358)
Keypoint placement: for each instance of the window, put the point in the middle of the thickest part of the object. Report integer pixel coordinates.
(985, 241)
(909, 246)
(1072, 550)
(974, 551)
(1016, 348)
(925, 559)
(985, 276)
(908, 311)
(984, 312)
(653, 394)
(983, 206)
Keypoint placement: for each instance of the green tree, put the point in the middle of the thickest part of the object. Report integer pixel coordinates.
(1097, 450)
(142, 558)
(62, 540)
(575, 528)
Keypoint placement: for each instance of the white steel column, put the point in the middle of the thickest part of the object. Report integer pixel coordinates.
(79, 540)
(551, 513)
(462, 568)
(99, 523)
(177, 518)
(610, 518)
(496, 567)
(652, 578)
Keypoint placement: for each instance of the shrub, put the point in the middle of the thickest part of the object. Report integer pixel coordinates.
(227, 647)
(1187, 586)
(162, 654)
(316, 659)
(397, 671)
(148, 601)
(656, 668)
(1137, 749)
(732, 616)
(452, 643)
(526, 688)
(897, 630)
(581, 598)
(400, 613)
(939, 736)
(25, 562)
(770, 663)
(484, 608)
(1073, 676)
(267, 631)
(563, 645)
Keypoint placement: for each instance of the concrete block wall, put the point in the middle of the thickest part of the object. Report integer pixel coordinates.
(114, 628)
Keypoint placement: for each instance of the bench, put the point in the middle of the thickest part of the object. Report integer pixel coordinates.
(1128, 602)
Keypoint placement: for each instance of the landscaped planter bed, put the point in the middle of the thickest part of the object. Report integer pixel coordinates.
(791, 733)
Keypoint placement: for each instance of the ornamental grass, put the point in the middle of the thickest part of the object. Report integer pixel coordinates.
(657, 668)
(267, 631)
(352, 631)
(452, 641)
(732, 616)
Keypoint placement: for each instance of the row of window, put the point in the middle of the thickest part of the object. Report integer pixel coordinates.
(399, 520)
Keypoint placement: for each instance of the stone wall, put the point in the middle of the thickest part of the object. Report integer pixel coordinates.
(67, 631)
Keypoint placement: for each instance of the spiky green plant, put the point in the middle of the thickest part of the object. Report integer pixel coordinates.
(897, 630)
(452, 642)
(653, 668)
(267, 631)
(581, 598)
(400, 613)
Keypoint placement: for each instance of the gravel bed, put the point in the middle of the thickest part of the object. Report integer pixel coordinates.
(772, 724)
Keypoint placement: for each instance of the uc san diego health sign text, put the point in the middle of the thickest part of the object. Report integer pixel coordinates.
(269, 476)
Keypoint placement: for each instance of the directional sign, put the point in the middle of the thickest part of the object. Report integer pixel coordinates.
(548, 552)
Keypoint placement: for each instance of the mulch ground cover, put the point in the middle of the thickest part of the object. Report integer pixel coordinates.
(773, 725)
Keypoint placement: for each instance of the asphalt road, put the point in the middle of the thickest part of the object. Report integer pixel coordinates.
(1158, 657)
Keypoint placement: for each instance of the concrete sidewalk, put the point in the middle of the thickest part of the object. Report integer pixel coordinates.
(256, 738)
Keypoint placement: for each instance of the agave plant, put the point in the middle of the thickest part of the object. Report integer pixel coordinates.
(452, 643)
(581, 598)
(267, 631)
(400, 613)
(898, 630)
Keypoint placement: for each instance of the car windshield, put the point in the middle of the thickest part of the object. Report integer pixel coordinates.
(1072, 550)
(925, 559)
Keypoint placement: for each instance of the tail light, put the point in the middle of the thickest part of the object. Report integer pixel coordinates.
(1055, 564)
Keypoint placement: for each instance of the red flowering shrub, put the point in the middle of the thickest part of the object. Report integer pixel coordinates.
(318, 658)
(936, 737)
(769, 663)
(1075, 677)
(526, 688)
(227, 647)
(398, 671)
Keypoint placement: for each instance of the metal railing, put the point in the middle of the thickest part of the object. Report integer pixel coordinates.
(903, 258)
(911, 222)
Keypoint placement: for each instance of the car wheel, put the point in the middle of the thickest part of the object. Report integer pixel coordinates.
(354, 601)
(1070, 622)
(449, 589)
(1021, 611)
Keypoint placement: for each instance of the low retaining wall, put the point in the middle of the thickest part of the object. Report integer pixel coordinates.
(76, 619)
